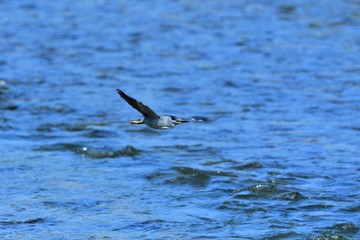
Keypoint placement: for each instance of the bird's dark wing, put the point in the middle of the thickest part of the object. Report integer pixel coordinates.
(142, 108)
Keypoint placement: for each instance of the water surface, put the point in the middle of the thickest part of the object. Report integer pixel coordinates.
(281, 163)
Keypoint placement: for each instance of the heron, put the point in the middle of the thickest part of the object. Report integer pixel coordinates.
(154, 120)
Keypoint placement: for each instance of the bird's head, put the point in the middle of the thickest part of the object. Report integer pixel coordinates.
(139, 121)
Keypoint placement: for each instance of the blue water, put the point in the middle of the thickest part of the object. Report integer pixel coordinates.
(281, 163)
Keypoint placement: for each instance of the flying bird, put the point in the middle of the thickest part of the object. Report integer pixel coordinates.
(153, 120)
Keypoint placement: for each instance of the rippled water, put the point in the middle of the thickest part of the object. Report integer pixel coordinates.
(281, 163)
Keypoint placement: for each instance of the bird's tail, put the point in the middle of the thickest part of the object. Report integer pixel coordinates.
(196, 119)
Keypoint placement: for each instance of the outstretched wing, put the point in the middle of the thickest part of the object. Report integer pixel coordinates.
(142, 108)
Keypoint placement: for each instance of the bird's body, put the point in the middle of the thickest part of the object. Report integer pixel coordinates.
(153, 120)
(162, 122)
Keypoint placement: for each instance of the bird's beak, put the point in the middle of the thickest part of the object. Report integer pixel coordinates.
(135, 122)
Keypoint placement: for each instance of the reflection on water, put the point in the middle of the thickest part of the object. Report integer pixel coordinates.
(281, 162)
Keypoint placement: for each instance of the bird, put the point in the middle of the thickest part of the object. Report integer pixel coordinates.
(153, 120)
